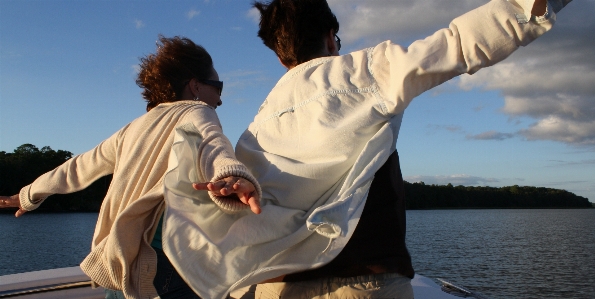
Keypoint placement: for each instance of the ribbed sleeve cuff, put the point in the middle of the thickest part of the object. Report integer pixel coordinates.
(26, 202)
(233, 205)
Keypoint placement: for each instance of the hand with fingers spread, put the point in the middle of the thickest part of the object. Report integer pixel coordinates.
(233, 186)
(12, 202)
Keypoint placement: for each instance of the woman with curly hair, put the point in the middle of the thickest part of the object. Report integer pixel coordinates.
(182, 90)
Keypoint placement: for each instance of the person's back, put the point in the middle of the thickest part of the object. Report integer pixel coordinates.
(324, 139)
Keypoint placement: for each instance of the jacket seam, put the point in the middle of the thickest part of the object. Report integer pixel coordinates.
(370, 89)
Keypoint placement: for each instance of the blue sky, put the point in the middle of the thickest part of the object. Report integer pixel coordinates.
(67, 71)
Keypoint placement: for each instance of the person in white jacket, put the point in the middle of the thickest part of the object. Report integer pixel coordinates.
(182, 90)
(322, 146)
(323, 143)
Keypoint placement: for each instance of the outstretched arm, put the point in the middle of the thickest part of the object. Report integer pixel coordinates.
(479, 38)
(12, 202)
(232, 187)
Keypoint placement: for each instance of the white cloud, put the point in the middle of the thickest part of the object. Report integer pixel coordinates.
(135, 68)
(139, 24)
(559, 163)
(455, 179)
(192, 13)
(400, 21)
(254, 15)
(239, 79)
(450, 128)
(563, 130)
(551, 81)
(491, 135)
(478, 108)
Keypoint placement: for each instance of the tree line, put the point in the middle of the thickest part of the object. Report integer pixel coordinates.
(27, 162)
(422, 196)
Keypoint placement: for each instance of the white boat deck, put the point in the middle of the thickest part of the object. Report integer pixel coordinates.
(73, 283)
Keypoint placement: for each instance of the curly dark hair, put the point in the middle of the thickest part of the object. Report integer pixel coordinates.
(163, 75)
(295, 29)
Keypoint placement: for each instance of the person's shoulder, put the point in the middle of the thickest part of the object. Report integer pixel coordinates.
(200, 111)
(185, 103)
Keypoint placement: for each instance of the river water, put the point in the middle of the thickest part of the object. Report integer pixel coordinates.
(500, 253)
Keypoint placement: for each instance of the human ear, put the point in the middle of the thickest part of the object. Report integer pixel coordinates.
(194, 88)
(331, 45)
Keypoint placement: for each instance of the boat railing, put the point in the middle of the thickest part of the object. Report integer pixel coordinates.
(68, 282)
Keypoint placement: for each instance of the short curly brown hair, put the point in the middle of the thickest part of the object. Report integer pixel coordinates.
(295, 29)
(163, 75)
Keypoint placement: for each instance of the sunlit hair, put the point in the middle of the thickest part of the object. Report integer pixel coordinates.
(295, 29)
(163, 75)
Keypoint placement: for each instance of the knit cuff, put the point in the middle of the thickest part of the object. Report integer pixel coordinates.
(232, 205)
(26, 202)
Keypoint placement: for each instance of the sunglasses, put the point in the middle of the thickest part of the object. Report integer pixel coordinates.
(338, 41)
(217, 84)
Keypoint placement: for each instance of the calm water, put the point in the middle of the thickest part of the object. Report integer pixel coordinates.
(507, 253)
(500, 253)
(37, 241)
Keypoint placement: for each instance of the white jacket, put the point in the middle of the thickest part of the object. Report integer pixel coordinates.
(324, 130)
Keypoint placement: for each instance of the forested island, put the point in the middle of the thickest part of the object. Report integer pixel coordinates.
(27, 162)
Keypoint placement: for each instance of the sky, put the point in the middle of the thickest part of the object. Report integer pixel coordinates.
(68, 69)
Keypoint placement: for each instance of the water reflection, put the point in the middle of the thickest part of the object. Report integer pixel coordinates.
(507, 253)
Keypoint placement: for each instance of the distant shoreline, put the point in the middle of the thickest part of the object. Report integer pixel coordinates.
(27, 162)
(12, 211)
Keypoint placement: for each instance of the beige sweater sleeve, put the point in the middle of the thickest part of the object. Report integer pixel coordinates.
(216, 157)
(477, 39)
(73, 175)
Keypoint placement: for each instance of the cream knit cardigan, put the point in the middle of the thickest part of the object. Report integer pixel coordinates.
(319, 138)
(137, 155)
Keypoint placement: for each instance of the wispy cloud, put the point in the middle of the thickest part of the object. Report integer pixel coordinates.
(192, 13)
(10, 55)
(559, 163)
(450, 128)
(241, 78)
(562, 183)
(551, 80)
(568, 131)
(135, 68)
(455, 179)
(490, 135)
(400, 21)
(139, 24)
(241, 81)
(254, 15)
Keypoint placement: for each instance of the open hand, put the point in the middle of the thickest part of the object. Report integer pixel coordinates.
(241, 187)
(12, 202)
